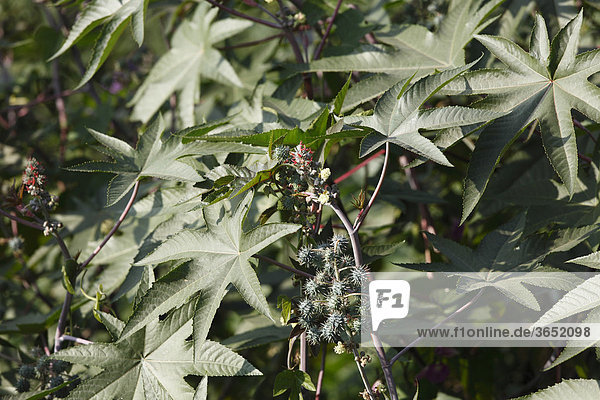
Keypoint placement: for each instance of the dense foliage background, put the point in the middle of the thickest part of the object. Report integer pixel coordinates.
(231, 143)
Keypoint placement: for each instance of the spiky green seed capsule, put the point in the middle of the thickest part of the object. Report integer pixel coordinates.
(60, 366)
(56, 381)
(23, 385)
(27, 371)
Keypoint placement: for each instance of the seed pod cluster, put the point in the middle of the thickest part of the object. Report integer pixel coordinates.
(329, 310)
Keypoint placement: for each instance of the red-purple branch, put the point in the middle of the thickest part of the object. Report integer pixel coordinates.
(321, 45)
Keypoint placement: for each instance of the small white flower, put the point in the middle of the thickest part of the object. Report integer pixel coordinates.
(340, 348)
(323, 197)
(300, 17)
(325, 173)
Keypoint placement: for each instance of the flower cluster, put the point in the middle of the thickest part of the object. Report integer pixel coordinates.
(34, 182)
(51, 226)
(16, 243)
(303, 184)
(34, 179)
(329, 310)
(47, 374)
(309, 178)
(41, 202)
(378, 389)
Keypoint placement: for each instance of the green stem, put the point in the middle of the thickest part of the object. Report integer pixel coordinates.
(62, 320)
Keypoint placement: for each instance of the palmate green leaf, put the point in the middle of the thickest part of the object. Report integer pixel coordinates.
(547, 200)
(313, 136)
(542, 85)
(190, 57)
(558, 13)
(271, 121)
(568, 389)
(230, 180)
(294, 381)
(504, 250)
(496, 251)
(398, 118)
(152, 157)
(574, 347)
(591, 260)
(116, 15)
(409, 49)
(513, 286)
(257, 337)
(220, 255)
(153, 362)
(584, 297)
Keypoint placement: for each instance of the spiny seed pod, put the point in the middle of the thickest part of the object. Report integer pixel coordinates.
(358, 275)
(328, 268)
(336, 320)
(56, 381)
(339, 243)
(312, 336)
(23, 385)
(281, 153)
(42, 365)
(337, 288)
(333, 303)
(27, 371)
(60, 366)
(306, 308)
(305, 256)
(346, 260)
(287, 203)
(328, 333)
(311, 288)
(322, 277)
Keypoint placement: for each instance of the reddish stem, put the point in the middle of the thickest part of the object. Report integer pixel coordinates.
(426, 222)
(321, 45)
(359, 166)
(21, 220)
(283, 266)
(321, 372)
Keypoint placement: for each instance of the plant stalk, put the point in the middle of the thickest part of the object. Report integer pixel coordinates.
(321, 371)
(283, 266)
(21, 220)
(363, 375)
(358, 260)
(321, 45)
(363, 214)
(62, 320)
(245, 16)
(114, 229)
